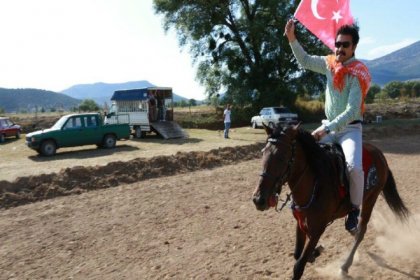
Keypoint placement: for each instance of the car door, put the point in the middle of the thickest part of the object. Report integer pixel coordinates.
(3, 126)
(269, 117)
(264, 116)
(8, 128)
(91, 130)
(72, 133)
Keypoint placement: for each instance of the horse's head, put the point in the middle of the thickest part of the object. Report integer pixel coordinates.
(278, 156)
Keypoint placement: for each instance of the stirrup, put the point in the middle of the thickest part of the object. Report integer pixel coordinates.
(352, 220)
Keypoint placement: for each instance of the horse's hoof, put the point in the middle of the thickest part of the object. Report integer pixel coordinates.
(316, 253)
(344, 272)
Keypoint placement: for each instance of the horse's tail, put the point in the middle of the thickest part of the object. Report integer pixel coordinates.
(393, 199)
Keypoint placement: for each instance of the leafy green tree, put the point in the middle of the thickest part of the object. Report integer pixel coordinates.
(88, 105)
(240, 48)
(2, 111)
(373, 91)
(406, 89)
(416, 89)
(412, 88)
(183, 103)
(192, 102)
(393, 89)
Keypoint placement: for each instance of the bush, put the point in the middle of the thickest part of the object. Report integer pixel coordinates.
(309, 111)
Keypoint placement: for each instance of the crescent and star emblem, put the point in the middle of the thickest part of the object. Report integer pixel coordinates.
(314, 7)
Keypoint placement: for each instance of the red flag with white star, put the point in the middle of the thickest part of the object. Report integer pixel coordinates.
(324, 17)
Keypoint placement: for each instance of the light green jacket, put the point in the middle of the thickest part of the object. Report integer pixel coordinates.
(341, 108)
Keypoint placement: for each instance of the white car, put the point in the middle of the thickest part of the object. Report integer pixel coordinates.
(272, 116)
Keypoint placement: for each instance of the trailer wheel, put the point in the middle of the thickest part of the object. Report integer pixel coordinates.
(138, 133)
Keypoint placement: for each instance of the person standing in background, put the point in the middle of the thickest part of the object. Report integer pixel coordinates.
(152, 107)
(226, 116)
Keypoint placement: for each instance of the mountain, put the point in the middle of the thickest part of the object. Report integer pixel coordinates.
(18, 100)
(401, 65)
(102, 92)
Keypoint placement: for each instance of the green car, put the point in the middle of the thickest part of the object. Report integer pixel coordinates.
(77, 130)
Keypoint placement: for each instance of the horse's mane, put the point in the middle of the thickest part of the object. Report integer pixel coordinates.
(319, 160)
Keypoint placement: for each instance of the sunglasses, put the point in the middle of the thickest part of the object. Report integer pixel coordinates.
(345, 44)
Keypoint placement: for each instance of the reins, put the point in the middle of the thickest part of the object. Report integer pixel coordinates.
(285, 177)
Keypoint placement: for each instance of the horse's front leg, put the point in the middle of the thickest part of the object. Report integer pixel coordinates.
(300, 241)
(360, 234)
(308, 250)
(357, 240)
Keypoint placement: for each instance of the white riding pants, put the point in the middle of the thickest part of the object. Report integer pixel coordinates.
(350, 139)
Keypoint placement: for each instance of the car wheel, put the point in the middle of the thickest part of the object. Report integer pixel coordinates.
(271, 125)
(254, 125)
(18, 135)
(138, 133)
(109, 141)
(2, 138)
(48, 148)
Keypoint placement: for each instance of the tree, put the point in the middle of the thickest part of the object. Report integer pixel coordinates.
(88, 105)
(393, 89)
(239, 47)
(373, 91)
(412, 88)
(416, 89)
(192, 102)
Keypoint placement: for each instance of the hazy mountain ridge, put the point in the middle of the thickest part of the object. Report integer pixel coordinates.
(28, 100)
(102, 92)
(401, 65)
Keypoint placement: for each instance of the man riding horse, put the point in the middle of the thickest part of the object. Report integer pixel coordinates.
(348, 82)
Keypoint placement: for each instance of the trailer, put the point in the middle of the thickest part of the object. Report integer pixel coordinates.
(145, 110)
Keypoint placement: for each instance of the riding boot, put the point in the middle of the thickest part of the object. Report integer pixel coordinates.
(352, 219)
(356, 198)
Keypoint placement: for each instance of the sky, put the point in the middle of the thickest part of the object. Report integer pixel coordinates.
(55, 44)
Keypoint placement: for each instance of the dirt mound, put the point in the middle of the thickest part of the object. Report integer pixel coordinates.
(402, 110)
(80, 179)
(374, 131)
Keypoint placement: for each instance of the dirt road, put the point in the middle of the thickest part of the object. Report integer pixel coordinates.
(200, 225)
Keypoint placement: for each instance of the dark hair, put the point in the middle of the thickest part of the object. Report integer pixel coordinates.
(352, 30)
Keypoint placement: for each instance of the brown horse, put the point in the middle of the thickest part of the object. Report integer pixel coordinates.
(292, 155)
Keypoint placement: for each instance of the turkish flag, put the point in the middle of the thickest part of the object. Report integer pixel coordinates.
(324, 17)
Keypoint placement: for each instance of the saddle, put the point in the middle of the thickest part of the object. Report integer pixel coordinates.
(336, 153)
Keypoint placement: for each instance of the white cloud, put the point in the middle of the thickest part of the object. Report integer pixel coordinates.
(53, 45)
(366, 41)
(387, 49)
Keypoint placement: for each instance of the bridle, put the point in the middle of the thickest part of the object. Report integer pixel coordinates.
(279, 181)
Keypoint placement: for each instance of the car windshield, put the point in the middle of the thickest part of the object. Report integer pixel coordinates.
(60, 122)
(281, 110)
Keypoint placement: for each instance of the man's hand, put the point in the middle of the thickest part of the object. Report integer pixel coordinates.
(289, 30)
(319, 133)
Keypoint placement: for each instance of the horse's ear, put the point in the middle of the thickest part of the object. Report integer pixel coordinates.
(267, 129)
(296, 126)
